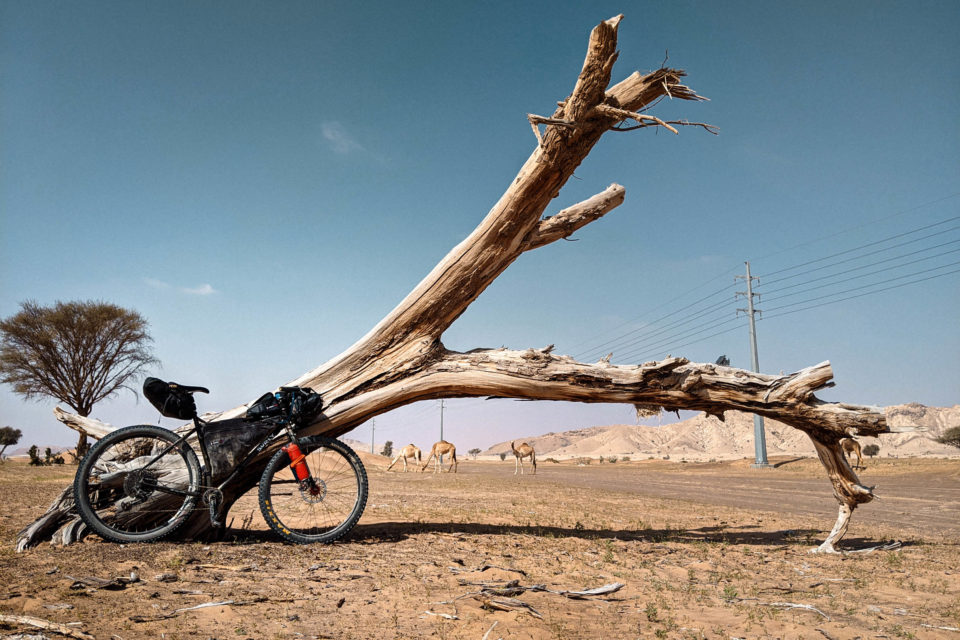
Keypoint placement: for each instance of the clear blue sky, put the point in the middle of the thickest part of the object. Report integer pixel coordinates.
(265, 181)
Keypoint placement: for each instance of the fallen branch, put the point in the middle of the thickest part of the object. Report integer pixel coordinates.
(220, 567)
(606, 589)
(507, 604)
(514, 588)
(223, 603)
(490, 630)
(484, 567)
(448, 616)
(887, 546)
(114, 584)
(930, 626)
(794, 605)
(46, 625)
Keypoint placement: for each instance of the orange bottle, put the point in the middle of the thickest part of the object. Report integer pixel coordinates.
(297, 461)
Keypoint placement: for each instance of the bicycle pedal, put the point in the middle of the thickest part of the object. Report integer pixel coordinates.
(214, 499)
(214, 508)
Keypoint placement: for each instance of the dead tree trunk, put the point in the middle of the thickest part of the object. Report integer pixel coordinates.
(402, 359)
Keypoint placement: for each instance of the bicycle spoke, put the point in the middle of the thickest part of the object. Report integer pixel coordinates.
(135, 485)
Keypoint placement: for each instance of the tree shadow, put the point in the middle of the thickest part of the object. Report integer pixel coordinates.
(784, 463)
(387, 532)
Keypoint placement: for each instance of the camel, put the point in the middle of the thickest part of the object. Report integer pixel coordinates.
(442, 448)
(409, 451)
(525, 451)
(852, 446)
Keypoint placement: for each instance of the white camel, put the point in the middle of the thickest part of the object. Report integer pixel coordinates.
(521, 452)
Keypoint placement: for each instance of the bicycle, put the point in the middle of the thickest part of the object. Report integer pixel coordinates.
(141, 483)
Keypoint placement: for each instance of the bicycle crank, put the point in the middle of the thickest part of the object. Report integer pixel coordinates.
(213, 498)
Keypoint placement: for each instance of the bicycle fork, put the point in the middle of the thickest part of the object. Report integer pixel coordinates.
(298, 465)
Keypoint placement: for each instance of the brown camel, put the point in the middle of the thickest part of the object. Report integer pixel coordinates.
(409, 451)
(442, 448)
(524, 451)
(852, 446)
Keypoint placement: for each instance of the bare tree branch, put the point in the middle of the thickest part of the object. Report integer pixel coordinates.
(402, 359)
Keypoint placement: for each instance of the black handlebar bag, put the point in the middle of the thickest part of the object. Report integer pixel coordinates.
(298, 403)
(169, 401)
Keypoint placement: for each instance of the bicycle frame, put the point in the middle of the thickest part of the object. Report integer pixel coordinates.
(283, 424)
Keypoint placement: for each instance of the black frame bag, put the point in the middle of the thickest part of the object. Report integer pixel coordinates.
(229, 441)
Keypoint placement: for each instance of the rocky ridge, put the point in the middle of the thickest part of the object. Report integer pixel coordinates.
(705, 437)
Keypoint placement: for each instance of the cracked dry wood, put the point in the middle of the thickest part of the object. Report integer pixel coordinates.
(402, 359)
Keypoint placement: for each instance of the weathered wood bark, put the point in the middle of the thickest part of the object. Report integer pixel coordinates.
(402, 359)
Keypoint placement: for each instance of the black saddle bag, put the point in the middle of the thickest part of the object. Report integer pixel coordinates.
(169, 402)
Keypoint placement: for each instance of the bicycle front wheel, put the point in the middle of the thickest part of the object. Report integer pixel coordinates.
(137, 484)
(322, 508)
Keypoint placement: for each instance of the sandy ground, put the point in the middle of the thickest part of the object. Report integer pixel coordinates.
(703, 551)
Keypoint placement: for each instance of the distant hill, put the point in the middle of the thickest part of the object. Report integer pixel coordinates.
(22, 451)
(358, 445)
(704, 437)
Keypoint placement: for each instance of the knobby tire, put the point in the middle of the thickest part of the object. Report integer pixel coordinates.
(120, 496)
(329, 513)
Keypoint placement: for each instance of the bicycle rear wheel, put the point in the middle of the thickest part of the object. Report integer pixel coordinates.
(329, 505)
(136, 484)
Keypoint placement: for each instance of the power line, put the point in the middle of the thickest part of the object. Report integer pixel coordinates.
(654, 330)
(869, 244)
(651, 354)
(669, 342)
(860, 295)
(605, 345)
(654, 336)
(836, 293)
(862, 275)
(868, 223)
(660, 345)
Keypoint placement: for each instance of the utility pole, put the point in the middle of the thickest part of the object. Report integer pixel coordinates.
(373, 430)
(441, 428)
(759, 438)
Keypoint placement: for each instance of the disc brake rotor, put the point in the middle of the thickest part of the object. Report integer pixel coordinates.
(313, 491)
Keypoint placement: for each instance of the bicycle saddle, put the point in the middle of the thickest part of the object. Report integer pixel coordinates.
(187, 388)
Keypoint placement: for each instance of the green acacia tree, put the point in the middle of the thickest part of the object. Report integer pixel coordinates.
(8, 436)
(76, 352)
(387, 450)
